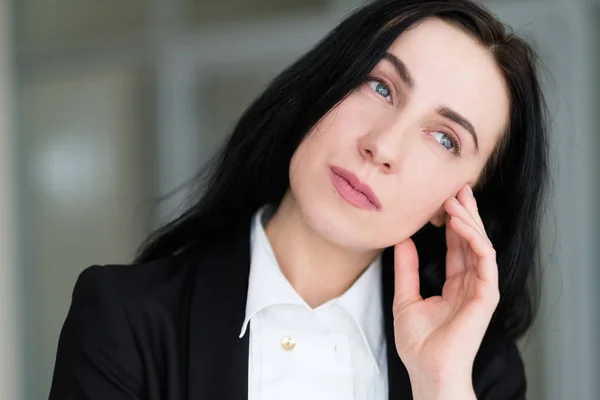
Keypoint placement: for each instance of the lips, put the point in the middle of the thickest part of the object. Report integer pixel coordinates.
(357, 192)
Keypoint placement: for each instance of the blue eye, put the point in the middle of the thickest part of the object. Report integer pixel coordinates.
(380, 89)
(447, 141)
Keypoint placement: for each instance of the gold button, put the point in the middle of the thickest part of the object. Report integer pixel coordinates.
(288, 343)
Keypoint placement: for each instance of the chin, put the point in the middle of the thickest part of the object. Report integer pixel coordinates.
(338, 223)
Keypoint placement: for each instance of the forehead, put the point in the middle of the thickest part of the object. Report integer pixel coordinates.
(450, 68)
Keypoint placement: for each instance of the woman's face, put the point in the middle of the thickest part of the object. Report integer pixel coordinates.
(421, 127)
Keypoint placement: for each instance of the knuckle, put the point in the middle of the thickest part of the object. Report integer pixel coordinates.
(495, 296)
(493, 300)
(492, 295)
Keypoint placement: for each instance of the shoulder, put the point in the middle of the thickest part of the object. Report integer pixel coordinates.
(121, 315)
(162, 288)
(498, 370)
(161, 284)
(124, 320)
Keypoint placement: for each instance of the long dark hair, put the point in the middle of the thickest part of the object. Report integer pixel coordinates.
(252, 167)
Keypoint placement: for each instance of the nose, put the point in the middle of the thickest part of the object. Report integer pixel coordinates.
(380, 149)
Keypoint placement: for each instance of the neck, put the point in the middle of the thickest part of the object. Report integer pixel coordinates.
(318, 270)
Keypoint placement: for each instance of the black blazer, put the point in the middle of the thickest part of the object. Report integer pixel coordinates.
(169, 330)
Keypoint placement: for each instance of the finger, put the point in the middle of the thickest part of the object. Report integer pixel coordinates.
(456, 245)
(486, 267)
(455, 208)
(406, 274)
(467, 199)
(453, 239)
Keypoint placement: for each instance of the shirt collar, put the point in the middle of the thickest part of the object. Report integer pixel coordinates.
(267, 285)
(362, 301)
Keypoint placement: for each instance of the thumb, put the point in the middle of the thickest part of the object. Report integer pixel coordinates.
(406, 274)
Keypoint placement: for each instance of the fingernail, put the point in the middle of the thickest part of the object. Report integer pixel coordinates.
(470, 190)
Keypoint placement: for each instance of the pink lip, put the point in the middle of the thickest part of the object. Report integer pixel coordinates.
(353, 190)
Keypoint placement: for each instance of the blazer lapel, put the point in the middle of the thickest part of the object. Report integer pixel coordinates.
(218, 358)
(398, 379)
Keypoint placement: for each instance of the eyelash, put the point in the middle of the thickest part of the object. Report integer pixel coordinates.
(456, 150)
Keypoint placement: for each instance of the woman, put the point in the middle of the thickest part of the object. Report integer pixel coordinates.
(368, 231)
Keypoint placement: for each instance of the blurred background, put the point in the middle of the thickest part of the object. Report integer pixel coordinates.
(106, 105)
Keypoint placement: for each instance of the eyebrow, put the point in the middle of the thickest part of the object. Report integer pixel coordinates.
(445, 112)
(462, 121)
(400, 69)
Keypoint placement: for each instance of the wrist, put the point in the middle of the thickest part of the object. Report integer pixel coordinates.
(441, 387)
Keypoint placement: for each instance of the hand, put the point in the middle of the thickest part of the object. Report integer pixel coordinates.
(438, 338)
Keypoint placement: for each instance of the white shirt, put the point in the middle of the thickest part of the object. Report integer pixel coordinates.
(336, 351)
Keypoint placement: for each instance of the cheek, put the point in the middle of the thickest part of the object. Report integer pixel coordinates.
(419, 193)
(334, 136)
(356, 115)
(343, 125)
